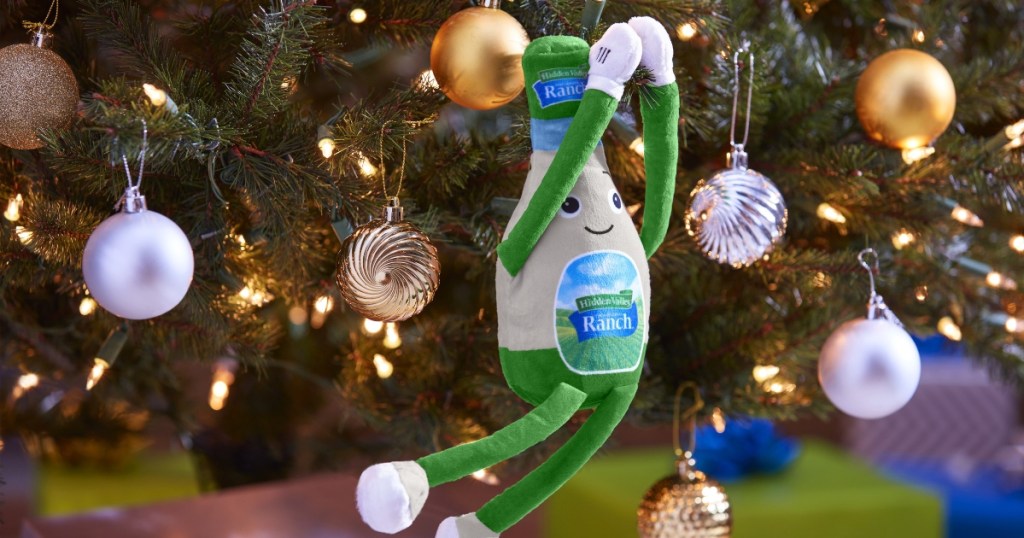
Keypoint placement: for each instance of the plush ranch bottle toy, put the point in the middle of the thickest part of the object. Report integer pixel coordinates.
(573, 289)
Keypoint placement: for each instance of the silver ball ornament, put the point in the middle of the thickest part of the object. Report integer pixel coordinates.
(138, 264)
(737, 216)
(869, 368)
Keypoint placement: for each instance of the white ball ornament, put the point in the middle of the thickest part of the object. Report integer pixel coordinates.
(869, 368)
(138, 263)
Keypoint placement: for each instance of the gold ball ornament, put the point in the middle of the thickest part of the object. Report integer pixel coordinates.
(905, 99)
(389, 269)
(477, 56)
(685, 505)
(37, 91)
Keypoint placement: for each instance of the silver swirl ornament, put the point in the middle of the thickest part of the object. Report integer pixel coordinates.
(388, 269)
(738, 215)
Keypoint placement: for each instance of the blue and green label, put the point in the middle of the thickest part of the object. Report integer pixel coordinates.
(560, 85)
(599, 313)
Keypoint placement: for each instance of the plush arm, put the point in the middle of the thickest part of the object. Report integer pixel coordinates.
(660, 112)
(580, 140)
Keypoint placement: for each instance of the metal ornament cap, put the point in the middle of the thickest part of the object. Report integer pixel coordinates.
(138, 264)
(738, 215)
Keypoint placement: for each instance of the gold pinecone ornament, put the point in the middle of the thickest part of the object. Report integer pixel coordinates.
(37, 91)
(685, 505)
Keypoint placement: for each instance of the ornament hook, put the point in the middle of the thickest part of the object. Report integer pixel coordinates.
(690, 416)
(877, 309)
(133, 201)
(738, 156)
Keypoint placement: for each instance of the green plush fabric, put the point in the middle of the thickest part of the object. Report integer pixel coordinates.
(659, 107)
(581, 139)
(825, 493)
(526, 495)
(558, 55)
(463, 460)
(533, 374)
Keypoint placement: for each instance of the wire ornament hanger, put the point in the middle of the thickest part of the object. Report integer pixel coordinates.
(132, 201)
(738, 155)
(877, 309)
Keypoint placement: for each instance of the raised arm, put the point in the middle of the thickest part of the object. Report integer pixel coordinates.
(659, 108)
(612, 61)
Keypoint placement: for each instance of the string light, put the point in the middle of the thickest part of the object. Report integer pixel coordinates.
(637, 146)
(287, 82)
(918, 36)
(383, 365)
(427, 81)
(253, 296)
(1017, 243)
(325, 141)
(487, 477)
(392, 340)
(297, 315)
(25, 383)
(763, 373)
(14, 205)
(365, 166)
(1013, 325)
(998, 280)
(1015, 131)
(902, 238)
(948, 328)
(830, 213)
(912, 155)
(24, 234)
(718, 420)
(220, 386)
(87, 306)
(921, 293)
(357, 15)
(966, 216)
(160, 98)
(99, 368)
(322, 306)
(780, 387)
(686, 31)
(372, 326)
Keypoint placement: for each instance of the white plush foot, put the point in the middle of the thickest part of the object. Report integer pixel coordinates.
(390, 495)
(613, 59)
(657, 49)
(467, 526)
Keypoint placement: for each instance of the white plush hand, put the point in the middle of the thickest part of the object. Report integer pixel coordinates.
(657, 49)
(613, 59)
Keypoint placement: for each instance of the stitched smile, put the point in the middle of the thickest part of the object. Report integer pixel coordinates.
(602, 232)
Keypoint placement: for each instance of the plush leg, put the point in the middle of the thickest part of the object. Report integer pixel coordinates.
(463, 460)
(523, 497)
(467, 526)
(390, 495)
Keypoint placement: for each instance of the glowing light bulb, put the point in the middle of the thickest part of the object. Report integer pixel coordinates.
(220, 386)
(686, 31)
(372, 326)
(427, 81)
(383, 366)
(780, 387)
(1017, 243)
(912, 155)
(966, 216)
(25, 383)
(763, 373)
(487, 477)
(1015, 143)
(297, 315)
(99, 367)
(366, 167)
(918, 36)
(1013, 325)
(156, 96)
(326, 146)
(921, 293)
(14, 205)
(87, 306)
(245, 293)
(24, 235)
(1015, 131)
(830, 213)
(637, 145)
(950, 329)
(902, 238)
(392, 340)
(718, 420)
(287, 82)
(324, 304)
(357, 15)
(998, 280)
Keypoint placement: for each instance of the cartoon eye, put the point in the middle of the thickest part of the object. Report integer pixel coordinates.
(570, 207)
(615, 201)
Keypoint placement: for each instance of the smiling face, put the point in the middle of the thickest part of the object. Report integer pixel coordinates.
(595, 207)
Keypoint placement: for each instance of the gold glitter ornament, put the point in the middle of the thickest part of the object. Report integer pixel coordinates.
(685, 505)
(477, 56)
(37, 91)
(389, 269)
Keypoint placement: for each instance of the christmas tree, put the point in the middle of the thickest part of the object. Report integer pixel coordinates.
(274, 128)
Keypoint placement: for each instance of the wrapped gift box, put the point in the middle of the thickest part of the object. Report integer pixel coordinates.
(824, 493)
